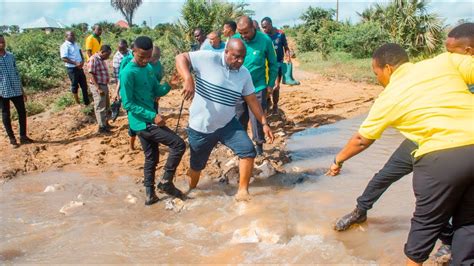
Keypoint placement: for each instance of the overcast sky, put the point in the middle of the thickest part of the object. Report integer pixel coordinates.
(283, 12)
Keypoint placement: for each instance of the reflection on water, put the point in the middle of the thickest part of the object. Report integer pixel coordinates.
(288, 221)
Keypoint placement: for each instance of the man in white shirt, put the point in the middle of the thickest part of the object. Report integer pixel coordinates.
(220, 81)
(73, 59)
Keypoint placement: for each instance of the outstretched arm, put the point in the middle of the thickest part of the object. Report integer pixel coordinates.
(356, 145)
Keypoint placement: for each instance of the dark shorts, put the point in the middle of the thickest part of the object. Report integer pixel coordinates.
(231, 135)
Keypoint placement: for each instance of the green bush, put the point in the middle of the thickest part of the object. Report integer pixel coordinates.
(361, 40)
(37, 56)
(62, 102)
(33, 108)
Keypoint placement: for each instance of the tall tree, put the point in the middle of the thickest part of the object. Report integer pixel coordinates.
(127, 8)
(409, 24)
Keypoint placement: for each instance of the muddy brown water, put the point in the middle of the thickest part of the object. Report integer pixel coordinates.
(289, 219)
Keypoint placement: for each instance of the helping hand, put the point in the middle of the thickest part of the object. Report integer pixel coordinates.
(334, 170)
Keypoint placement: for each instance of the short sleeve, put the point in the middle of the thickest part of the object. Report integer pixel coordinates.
(200, 59)
(381, 115)
(92, 65)
(248, 85)
(63, 50)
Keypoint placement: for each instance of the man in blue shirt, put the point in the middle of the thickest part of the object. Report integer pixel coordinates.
(73, 59)
(11, 90)
(281, 49)
(213, 42)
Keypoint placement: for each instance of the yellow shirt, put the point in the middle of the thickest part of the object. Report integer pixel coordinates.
(92, 44)
(429, 103)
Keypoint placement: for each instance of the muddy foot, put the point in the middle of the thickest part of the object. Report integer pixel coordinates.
(242, 195)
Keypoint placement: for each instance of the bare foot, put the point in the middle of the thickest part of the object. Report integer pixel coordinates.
(243, 195)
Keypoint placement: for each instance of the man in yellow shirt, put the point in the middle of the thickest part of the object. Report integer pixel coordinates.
(429, 104)
(93, 42)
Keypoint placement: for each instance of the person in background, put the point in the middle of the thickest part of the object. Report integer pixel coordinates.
(229, 29)
(281, 48)
(139, 90)
(255, 25)
(214, 42)
(122, 51)
(11, 91)
(73, 59)
(260, 53)
(99, 86)
(93, 41)
(199, 37)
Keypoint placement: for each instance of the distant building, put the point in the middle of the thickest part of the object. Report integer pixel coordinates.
(122, 24)
(46, 24)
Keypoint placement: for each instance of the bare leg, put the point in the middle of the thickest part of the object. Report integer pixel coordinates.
(132, 142)
(412, 263)
(194, 178)
(245, 169)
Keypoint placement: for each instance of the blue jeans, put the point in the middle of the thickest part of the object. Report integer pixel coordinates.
(231, 135)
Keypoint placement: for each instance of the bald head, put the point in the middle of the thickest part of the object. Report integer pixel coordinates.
(235, 52)
(70, 36)
(246, 28)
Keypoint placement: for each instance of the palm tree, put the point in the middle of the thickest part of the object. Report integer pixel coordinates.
(408, 24)
(127, 8)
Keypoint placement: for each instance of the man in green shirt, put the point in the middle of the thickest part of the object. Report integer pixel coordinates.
(259, 51)
(139, 89)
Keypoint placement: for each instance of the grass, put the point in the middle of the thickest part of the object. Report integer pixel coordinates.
(338, 65)
(62, 102)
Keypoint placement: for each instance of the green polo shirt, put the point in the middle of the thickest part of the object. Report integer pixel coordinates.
(138, 90)
(259, 51)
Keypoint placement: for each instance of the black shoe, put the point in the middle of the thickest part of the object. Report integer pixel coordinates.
(357, 216)
(170, 189)
(26, 140)
(14, 143)
(150, 196)
(259, 149)
(443, 254)
(104, 130)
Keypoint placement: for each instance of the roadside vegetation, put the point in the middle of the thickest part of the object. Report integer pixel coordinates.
(323, 45)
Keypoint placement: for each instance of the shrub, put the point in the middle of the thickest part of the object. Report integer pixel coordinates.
(362, 39)
(63, 102)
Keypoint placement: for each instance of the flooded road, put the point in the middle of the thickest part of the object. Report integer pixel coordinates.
(289, 220)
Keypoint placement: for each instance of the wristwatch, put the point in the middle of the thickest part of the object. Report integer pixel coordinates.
(338, 163)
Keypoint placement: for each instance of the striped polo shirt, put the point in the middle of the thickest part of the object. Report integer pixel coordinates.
(217, 90)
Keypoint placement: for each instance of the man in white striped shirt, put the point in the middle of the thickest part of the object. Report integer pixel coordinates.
(220, 81)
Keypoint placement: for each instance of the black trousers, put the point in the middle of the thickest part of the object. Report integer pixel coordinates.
(19, 103)
(78, 78)
(398, 165)
(150, 138)
(243, 114)
(443, 182)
